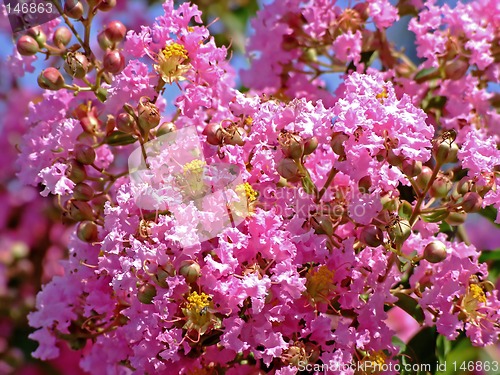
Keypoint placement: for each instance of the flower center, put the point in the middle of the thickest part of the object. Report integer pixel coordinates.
(319, 283)
(171, 61)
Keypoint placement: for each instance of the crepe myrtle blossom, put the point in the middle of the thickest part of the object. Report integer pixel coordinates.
(332, 213)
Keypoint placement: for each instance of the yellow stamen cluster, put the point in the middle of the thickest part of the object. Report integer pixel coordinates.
(376, 362)
(248, 190)
(194, 166)
(477, 293)
(174, 50)
(320, 283)
(171, 63)
(197, 302)
(383, 95)
(248, 121)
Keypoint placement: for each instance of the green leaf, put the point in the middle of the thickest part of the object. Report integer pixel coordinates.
(405, 210)
(410, 305)
(443, 347)
(489, 255)
(435, 217)
(490, 213)
(102, 94)
(118, 138)
(308, 184)
(426, 74)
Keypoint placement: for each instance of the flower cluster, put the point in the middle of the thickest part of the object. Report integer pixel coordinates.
(272, 228)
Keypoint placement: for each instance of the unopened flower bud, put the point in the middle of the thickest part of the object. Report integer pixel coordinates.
(148, 114)
(234, 136)
(213, 132)
(125, 122)
(106, 5)
(83, 192)
(62, 37)
(445, 150)
(114, 62)
(435, 252)
(393, 159)
(371, 236)
(424, 177)
(440, 187)
(165, 128)
(364, 184)
(412, 168)
(79, 210)
(310, 145)
(288, 169)
(455, 69)
(76, 65)
(87, 231)
(291, 144)
(472, 202)
(76, 172)
(103, 40)
(115, 31)
(399, 231)
(488, 184)
(146, 293)
(322, 225)
(161, 277)
(27, 46)
(464, 186)
(337, 143)
(456, 218)
(190, 270)
(39, 36)
(73, 9)
(84, 154)
(51, 79)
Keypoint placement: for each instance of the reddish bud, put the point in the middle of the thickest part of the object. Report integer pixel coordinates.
(412, 168)
(62, 37)
(322, 225)
(125, 122)
(472, 202)
(440, 187)
(73, 9)
(114, 62)
(76, 65)
(213, 132)
(288, 169)
(27, 46)
(455, 69)
(83, 192)
(146, 293)
(79, 210)
(190, 270)
(84, 154)
(424, 177)
(106, 5)
(310, 145)
(337, 143)
(365, 184)
(87, 231)
(50, 79)
(76, 172)
(291, 144)
(115, 31)
(38, 34)
(166, 128)
(371, 236)
(148, 114)
(435, 252)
